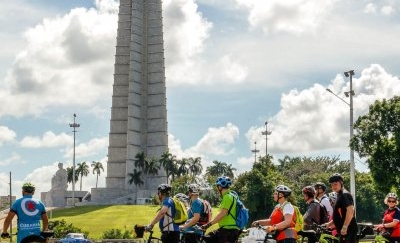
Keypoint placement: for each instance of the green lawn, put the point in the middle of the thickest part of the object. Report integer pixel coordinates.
(97, 219)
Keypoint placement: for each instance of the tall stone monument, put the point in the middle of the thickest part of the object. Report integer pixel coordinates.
(138, 113)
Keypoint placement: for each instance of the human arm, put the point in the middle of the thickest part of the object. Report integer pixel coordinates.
(7, 221)
(286, 223)
(158, 217)
(192, 221)
(45, 222)
(262, 222)
(347, 220)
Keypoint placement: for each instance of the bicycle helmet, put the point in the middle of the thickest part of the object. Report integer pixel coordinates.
(320, 185)
(224, 181)
(332, 197)
(182, 197)
(164, 188)
(284, 190)
(391, 195)
(335, 178)
(28, 187)
(194, 188)
(309, 191)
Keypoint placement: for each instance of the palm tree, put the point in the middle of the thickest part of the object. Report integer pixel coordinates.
(152, 166)
(168, 161)
(182, 166)
(97, 167)
(69, 175)
(194, 166)
(217, 169)
(82, 170)
(135, 178)
(140, 160)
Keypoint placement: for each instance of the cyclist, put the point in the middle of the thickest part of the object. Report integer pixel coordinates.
(391, 218)
(281, 221)
(29, 212)
(228, 231)
(169, 230)
(343, 213)
(312, 214)
(196, 208)
(320, 195)
(332, 199)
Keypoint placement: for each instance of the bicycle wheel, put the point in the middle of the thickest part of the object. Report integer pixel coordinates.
(33, 239)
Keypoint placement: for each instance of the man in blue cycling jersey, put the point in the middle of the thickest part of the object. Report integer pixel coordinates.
(29, 212)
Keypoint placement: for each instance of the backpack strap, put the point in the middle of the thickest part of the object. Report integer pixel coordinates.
(230, 208)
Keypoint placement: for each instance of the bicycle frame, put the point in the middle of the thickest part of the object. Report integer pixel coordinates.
(380, 239)
(151, 238)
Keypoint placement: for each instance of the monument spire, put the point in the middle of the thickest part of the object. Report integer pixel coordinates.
(138, 113)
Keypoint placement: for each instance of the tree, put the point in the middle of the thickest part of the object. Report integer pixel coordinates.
(182, 166)
(135, 178)
(194, 166)
(82, 170)
(377, 138)
(69, 175)
(97, 168)
(151, 166)
(168, 162)
(220, 168)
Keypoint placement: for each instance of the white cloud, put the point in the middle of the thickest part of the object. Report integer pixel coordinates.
(93, 147)
(291, 16)
(14, 159)
(370, 8)
(185, 33)
(313, 120)
(66, 61)
(48, 140)
(388, 10)
(6, 135)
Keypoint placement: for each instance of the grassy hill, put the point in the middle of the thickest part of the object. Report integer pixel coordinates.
(97, 219)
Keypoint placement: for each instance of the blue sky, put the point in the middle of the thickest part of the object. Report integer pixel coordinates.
(230, 66)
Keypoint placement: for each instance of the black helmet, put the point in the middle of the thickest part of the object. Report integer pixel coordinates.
(284, 190)
(164, 188)
(28, 187)
(224, 181)
(336, 177)
(320, 185)
(309, 191)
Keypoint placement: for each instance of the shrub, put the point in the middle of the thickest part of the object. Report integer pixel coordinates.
(117, 234)
(61, 228)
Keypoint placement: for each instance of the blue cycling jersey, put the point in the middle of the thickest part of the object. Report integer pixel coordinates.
(29, 212)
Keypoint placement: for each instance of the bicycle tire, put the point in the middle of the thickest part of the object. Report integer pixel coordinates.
(33, 239)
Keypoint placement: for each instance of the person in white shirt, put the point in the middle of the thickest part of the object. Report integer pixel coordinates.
(320, 195)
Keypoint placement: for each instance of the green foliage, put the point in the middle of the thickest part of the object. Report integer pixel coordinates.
(61, 228)
(377, 137)
(117, 234)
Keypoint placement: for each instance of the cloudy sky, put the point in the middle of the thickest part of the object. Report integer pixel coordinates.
(231, 66)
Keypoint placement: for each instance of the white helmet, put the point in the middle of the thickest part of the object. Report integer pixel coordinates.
(284, 190)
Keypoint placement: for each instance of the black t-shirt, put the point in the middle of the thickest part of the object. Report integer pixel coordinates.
(344, 200)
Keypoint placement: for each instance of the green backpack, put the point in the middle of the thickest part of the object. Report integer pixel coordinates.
(181, 214)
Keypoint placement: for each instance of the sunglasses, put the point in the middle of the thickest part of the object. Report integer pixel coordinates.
(391, 201)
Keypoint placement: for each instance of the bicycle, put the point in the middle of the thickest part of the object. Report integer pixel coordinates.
(319, 232)
(42, 238)
(257, 234)
(198, 238)
(151, 238)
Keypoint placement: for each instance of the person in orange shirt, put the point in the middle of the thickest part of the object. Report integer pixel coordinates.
(391, 219)
(281, 221)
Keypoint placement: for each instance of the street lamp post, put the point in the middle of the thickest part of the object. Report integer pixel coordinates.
(266, 133)
(73, 125)
(350, 94)
(255, 151)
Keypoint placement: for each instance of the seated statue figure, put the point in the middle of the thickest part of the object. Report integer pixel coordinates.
(60, 180)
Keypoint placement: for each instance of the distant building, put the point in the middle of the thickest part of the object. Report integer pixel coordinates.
(5, 201)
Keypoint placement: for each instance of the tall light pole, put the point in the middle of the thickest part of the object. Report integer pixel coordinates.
(255, 151)
(350, 94)
(73, 125)
(266, 133)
